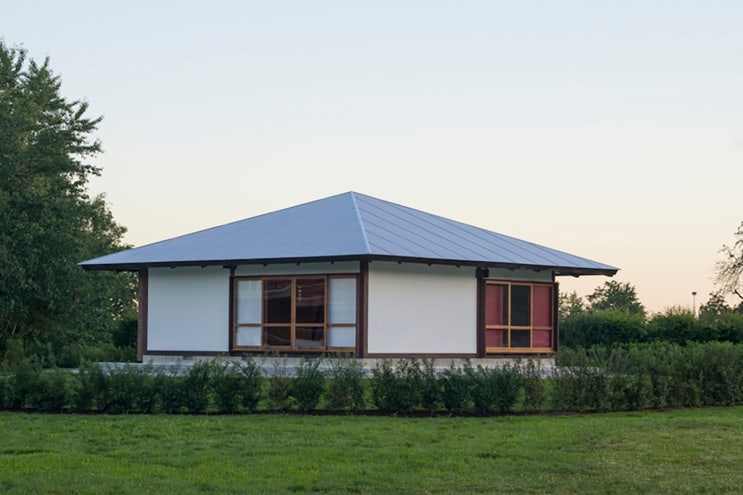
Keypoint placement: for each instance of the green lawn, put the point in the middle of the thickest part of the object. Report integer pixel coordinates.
(682, 451)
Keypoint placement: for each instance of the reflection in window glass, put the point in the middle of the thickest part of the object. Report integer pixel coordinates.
(520, 305)
(342, 336)
(310, 337)
(342, 300)
(310, 301)
(278, 299)
(277, 336)
(520, 338)
(249, 302)
(250, 336)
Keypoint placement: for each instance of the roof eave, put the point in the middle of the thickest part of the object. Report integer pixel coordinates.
(558, 270)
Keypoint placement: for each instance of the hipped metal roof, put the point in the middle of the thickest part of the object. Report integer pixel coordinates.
(349, 226)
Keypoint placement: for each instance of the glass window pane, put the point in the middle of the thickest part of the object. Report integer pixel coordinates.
(249, 301)
(342, 300)
(277, 336)
(310, 337)
(342, 336)
(520, 305)
(520, 338)
(542, 338)
(248, 336)
(496, 304)
(496, 338)
(310, 300)
(278, 301)
(542, 309)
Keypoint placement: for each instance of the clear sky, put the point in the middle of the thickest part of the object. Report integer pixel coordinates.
(611, 130)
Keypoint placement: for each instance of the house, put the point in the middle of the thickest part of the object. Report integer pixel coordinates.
(348, 273)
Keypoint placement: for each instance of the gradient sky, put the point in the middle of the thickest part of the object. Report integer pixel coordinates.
(611, 130)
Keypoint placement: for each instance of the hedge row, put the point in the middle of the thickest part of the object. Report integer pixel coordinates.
(648, 376)
(600, 379)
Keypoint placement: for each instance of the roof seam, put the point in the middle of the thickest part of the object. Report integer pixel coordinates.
(361, 222)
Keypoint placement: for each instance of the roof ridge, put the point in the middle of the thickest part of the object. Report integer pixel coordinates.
(361, 221)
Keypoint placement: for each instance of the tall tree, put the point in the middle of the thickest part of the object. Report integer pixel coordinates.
(48, 221)
(729, 270)
(616, 295)
(570, 305)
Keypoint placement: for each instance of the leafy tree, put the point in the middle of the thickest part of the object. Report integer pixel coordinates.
(718, 321)
(48, 222)
(616, 296)
(714, 308)
(602, 327)
(677, 325)
(570, 305)
(729, 270)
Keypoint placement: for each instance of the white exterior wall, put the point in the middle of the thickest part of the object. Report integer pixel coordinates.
(188, 309)
(416, 308)
(520, 275)
(300, 269)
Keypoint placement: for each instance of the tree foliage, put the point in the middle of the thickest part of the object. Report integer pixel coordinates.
(616, 296)
(48, 221)
(729, 270)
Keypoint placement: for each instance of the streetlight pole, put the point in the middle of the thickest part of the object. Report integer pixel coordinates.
(694, 303)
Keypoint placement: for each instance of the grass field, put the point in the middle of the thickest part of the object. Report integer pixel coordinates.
(681, 451)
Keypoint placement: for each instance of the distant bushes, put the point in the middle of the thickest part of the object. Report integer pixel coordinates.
(646, 376)
(630, 377)
(674, 325)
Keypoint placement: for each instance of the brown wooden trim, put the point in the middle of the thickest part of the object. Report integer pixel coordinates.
(411, 355)
(142, 298)
(480, 274)
(232, 318)
(293, 324)
(362, 310)
(556, 317)
(514, 355)
(510, 351)
(518, 350)
(187, 353)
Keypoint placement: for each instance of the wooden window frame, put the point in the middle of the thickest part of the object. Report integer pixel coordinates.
(293, 324)
(508, 328)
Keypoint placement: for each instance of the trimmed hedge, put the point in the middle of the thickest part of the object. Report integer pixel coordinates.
(631, 377)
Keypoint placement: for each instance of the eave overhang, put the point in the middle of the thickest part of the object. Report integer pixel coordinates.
(557, 270)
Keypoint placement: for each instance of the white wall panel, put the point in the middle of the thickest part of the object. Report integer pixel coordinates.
(520, 275)
(188, 309)
(416, 308)
(297, 269)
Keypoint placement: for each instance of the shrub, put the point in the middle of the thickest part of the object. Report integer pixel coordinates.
(23, 383)
(170, 386)
(14, 353)
(345, 389)
(430, 389)
(197, 386)
(454, 387)
(251, 384)
(227, 381)
(494, 389)
(532, 382)
(3, 390)
(122, 389)
(308, 384)
(279, 386)
(602, 327)
(396, 389)
(52, 393)
(676, 325)
(92, 386)
(131, 389)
